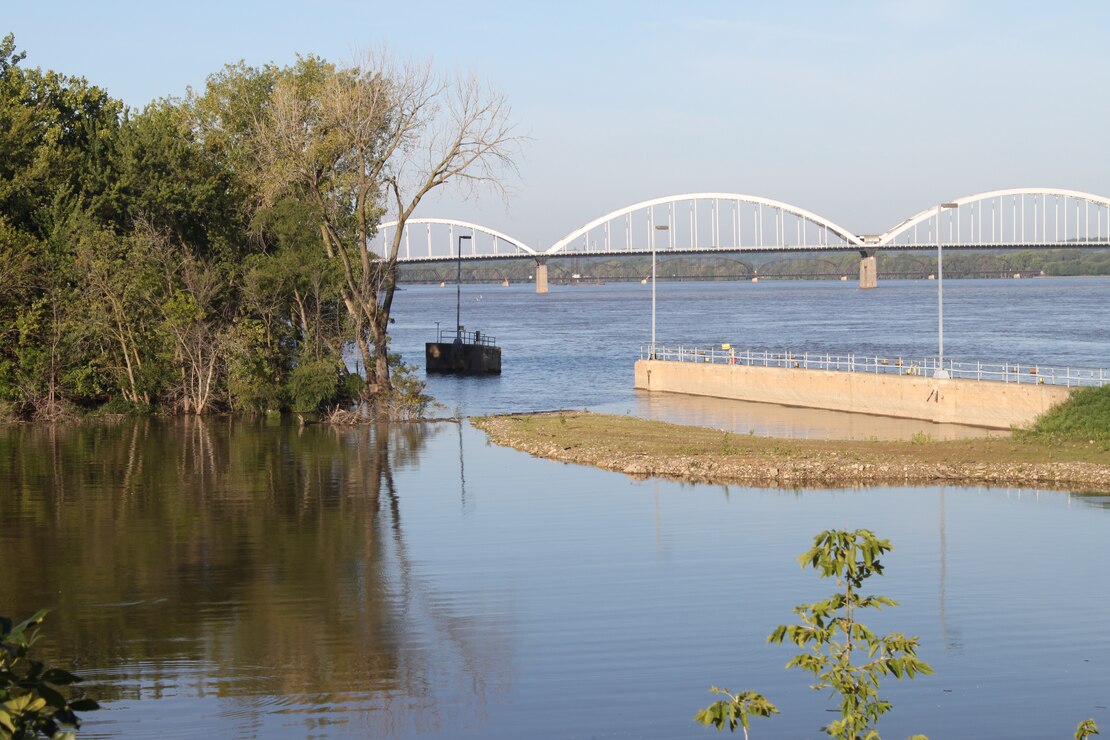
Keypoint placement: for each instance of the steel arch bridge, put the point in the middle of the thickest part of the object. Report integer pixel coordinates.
(1005, 219)
(701, 223)
(440, 240)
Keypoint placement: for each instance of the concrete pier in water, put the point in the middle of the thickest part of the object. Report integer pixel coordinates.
(868, 269)
(541, 276)
(462, 359)
(994, 405)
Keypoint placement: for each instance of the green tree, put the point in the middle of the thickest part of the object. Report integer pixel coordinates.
(121, 289)
(55, 151)
(368, 141)
(840, 651)
(56, 138)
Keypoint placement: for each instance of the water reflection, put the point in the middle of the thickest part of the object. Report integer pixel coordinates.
(772, 420)
(231, 558)
(238, 579)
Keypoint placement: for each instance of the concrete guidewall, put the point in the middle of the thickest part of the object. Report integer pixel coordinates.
(972, 402)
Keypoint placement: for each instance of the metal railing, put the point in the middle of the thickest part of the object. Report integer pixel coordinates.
(448, 336)
(1004, 372)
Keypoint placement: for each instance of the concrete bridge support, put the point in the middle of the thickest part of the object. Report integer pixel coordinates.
(868, 270)
(541, 275)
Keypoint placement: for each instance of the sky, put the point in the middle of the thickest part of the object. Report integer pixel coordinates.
(862, 112)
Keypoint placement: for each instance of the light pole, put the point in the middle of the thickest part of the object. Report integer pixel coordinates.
(661, 227)
(458, 292)
(940, 371)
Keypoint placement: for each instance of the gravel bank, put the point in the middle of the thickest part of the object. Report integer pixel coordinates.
(642, 449)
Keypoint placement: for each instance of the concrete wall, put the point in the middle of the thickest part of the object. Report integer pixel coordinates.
(541, 278)
(976, 403)
(868, 270)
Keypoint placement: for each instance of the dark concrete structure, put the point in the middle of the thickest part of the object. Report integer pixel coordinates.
(467, 354)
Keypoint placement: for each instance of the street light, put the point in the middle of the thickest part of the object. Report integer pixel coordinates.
(458, 292)
(940, 371)
(661, 227)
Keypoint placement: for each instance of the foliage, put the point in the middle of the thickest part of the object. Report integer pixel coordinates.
(313, 385)
(1085, 729)
(738, 709)
(194, 255)
(407, 399)
(833, 637)
(31, 703)
(834, 640)
(1084, 416)
(367, 140)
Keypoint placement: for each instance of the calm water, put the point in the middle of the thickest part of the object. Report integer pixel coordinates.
(574, 347)
(247, 579)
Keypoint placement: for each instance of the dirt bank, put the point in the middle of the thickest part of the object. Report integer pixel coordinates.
(643, 448)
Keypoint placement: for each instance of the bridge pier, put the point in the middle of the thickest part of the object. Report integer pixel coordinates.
(541, 275)
(868, 270)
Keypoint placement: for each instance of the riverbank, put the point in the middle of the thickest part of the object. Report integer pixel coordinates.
(643, 448)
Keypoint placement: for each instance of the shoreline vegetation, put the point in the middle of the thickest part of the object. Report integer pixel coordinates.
(642, 448)
(208, 252)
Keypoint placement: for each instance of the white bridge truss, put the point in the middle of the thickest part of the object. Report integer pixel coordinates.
(704, 222)
(1017, 218)
(438, 240)
(698, 223)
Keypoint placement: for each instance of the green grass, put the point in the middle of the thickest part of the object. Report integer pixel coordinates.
(1083, 417)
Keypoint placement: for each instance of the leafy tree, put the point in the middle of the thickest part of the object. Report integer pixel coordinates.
(121, 288)
(56, 144)
(169, 179)
(366, 141)
(56, 139)
(840, 651)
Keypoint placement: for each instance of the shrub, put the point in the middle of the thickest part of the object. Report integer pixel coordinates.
(313, 385)
(31, 702)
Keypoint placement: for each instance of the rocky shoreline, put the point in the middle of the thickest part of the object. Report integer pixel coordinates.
(698, 457)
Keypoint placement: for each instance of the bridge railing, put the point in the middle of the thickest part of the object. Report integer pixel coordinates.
(1005, 372)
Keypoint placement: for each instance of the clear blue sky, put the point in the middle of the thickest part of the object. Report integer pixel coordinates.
(863, 112)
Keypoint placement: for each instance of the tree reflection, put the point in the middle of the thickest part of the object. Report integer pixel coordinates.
(268, 558)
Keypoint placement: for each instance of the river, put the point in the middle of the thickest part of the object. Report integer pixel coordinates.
(251, 578)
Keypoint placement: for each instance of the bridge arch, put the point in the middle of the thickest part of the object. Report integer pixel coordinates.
(440, 239)
(1016, 217)
(754, 224)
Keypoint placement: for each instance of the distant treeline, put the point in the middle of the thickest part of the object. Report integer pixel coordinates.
(809, 266)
